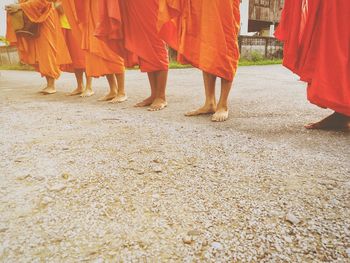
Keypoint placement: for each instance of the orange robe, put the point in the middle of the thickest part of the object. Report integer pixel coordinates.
(73, 38)
(109, 25)
(47, 51)
(101, 59)
(205, 33)
(139, 20)
(316, 36)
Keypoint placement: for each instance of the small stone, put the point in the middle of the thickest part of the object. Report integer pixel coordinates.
(217, 246)
(288, 239)
(193, 233)
(348, 252)
(57, 187)
(292, 219)
(3, 229)
(46, 200)
(23, 177)
(65, 176)
(187, 240)
(158, 169)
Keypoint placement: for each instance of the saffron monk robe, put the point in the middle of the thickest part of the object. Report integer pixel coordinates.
(139, 21)
(101, 60)
(73, 40)
(205, 34)
(316, 36)
(46, 52)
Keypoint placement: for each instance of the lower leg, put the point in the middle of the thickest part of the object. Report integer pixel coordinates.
(153, 83)
(121, 96)
(113, 89)
(50, 86)
(80, 85)
(88, 88)
(159, 102)
(210, 100)
(221, 113)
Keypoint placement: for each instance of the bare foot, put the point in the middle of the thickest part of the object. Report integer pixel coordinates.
(145, 103)
(87, 93)
(108, 97)
(206, 109)
(220, 115)
(334, 122)
(158, 104)
(48, 91)
(119, 99)
(75, 92)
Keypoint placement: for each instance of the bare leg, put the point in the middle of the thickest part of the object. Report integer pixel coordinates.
(80, 85)
(221, 113)
(153, 83)
(210, 100)
(50, 88)
(121, 96)
(88, 92)
(335, 122)
(113, 89)
(160, 102)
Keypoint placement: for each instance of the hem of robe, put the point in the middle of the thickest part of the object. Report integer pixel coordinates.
(147, 67)
(97, 67)
(76, 53)
(328, 104)
(155, 56)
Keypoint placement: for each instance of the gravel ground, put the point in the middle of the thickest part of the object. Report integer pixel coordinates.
(94, 182)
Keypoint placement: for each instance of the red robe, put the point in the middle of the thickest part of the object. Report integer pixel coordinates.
(316, 34)
(139, 18)
(205, 33)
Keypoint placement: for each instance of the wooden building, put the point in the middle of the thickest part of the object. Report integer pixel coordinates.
(260, 16)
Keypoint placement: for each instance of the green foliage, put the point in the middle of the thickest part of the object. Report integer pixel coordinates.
(4, 40)
(16, 67)
(256, 56)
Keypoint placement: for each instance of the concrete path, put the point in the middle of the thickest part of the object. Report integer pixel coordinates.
(88, 181)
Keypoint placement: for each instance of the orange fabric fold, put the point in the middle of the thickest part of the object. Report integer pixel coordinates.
(205, 33)
(139, 19)
(101, 58)
(48, 51)
(73, 38)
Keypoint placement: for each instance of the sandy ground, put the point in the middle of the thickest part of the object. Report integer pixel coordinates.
(94, 182)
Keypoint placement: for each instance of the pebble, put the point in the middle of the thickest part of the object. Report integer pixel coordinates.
(288, 239)
(193, 233)
(3, 229)
(57, 187)
(187, 240)
(292, 219)
(348, 252)
(217, 246)
(157, 169)
(65, 176)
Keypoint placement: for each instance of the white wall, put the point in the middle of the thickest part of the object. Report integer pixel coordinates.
(3, 15)
(244, 17)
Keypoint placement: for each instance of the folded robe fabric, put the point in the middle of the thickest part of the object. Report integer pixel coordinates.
(139, 21)
(73, 38)
(101, 59)
(205, 33)
(316, 36)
